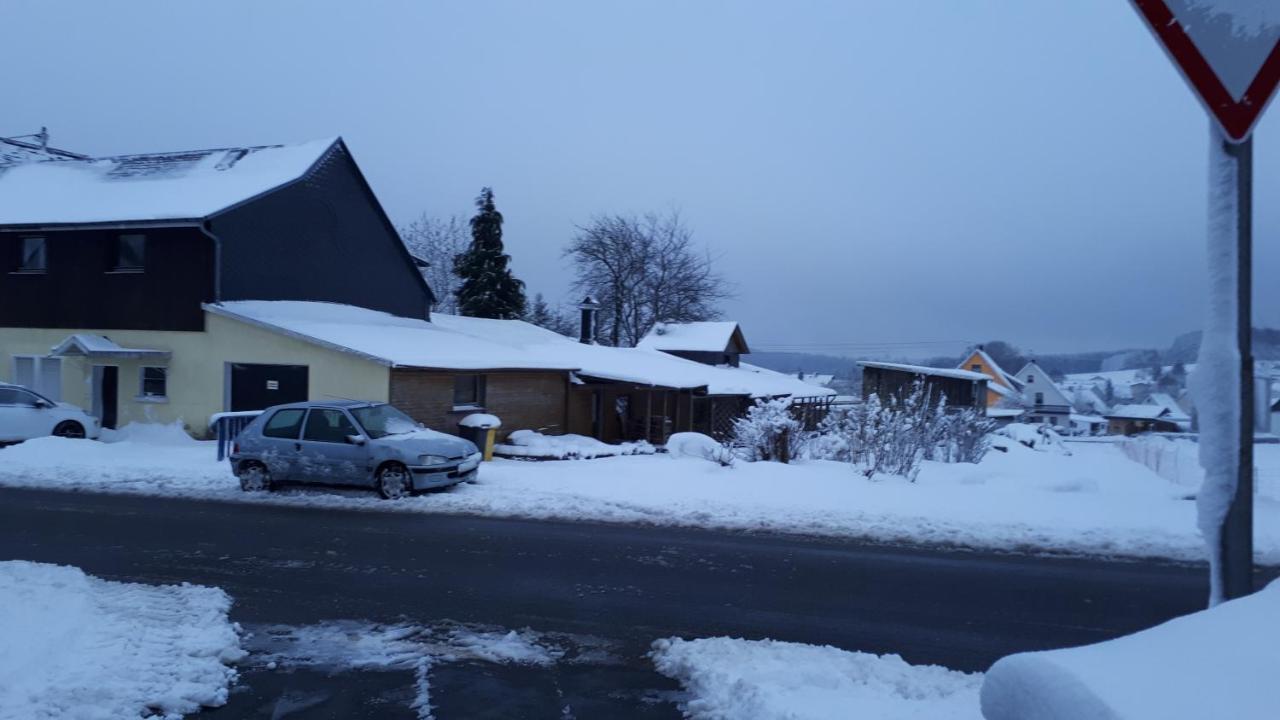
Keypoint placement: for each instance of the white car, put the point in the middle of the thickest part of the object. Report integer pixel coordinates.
(25, 414)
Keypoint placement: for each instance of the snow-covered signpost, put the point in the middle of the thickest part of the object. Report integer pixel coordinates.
(1229, 52)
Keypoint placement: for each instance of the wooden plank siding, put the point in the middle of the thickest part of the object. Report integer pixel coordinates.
(523, 400)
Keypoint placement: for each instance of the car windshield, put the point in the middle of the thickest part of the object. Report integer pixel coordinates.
(380, 421)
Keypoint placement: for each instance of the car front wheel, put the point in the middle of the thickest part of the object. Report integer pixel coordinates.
(393, 481)
(69, 429)
(254, 477)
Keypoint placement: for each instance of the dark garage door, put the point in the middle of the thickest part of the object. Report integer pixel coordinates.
(254, 387)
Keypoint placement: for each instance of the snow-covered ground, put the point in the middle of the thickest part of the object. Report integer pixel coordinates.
(1217, 663)
(1093, 501)
(770, 680)
(73, 646)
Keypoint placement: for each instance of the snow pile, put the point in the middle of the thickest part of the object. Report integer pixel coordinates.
(1217, 663)
(767, 679)
(1037, 437)
(480, 420)
(75, 646)
(150, 434)
(697, 445)
(532, 445)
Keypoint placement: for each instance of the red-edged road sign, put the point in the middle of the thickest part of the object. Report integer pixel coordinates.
(1228, 50)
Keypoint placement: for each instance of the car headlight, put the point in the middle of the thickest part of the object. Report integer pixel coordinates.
(474, 456)
(432, 459)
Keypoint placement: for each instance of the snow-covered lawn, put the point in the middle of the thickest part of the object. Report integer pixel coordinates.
(771, 680)
(74, 647)
(1093, 501)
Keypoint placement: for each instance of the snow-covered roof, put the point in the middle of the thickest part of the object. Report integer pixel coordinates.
(86, 345)
(709, 336)
(451, 342)
(823, 379)
(1004, 412)
(1166, 401)
(188, 185)
(1138, 412)
(1001, 376)
(922, 370)
(17, 152)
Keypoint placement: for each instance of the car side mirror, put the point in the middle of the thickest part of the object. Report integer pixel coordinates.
(44, 404)
(355, 439)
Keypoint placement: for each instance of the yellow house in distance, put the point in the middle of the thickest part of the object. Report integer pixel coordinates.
(1002, 385)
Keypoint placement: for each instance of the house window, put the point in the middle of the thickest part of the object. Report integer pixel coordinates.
(1040, 398)
(153, 382)
(468, 391)
(33, 257)
(1031, 378)
(131, 252)
(42, 374)
(976, 367)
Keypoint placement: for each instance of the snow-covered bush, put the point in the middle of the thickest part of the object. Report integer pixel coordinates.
(530, 445)
(769, 432)
(894, 438)
(697, 445)
(1037, 436)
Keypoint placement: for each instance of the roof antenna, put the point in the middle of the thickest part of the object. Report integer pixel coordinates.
(43, 137)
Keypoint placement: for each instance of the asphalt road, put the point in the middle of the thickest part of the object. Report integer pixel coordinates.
(621, 586)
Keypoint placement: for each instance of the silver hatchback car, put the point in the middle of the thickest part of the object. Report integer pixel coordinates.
(349, 442)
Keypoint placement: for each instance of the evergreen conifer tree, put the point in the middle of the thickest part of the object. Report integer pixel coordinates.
(488, 289)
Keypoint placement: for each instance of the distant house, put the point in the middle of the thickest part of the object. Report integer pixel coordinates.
(1176, 412)
(1003, 388)
(891, 382)
(710, 343)
(1134, 419)
(1044, 401)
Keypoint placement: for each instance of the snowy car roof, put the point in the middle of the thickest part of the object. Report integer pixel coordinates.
(186, 185)
(707, 336)
(451, 342)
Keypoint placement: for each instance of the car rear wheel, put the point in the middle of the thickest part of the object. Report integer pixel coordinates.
(69, 429)
(254, 477)
(394, 482)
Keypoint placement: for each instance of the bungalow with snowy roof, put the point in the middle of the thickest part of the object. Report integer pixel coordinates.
(1134, 419)
(1003, 389)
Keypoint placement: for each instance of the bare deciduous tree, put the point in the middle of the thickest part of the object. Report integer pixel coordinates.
(644, 270)
(438, 241)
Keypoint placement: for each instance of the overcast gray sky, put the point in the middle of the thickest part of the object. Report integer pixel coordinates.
(866, 172)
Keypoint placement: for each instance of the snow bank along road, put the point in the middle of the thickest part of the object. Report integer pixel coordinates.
(608, 591)
(1093, 501)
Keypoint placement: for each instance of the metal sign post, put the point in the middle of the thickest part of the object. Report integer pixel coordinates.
(1230, 56)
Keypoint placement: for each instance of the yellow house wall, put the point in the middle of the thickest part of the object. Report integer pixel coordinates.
(197, 368)
(993, 397)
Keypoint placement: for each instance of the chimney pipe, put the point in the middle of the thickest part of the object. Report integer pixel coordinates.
(43, 135)
(587, 327)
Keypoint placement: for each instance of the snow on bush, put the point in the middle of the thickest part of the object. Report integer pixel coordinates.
(1216, 663)
(697, 445)
(769, 432)
(150, 433)
(770, 680)
(536, 446)
(894, 439)
(75, 646)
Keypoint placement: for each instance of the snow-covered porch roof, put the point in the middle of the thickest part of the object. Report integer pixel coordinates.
(101, 346)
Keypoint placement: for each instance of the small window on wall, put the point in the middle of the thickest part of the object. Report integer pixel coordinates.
(468, 391)
(131, 252)
(33, 257)
(154, 383)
